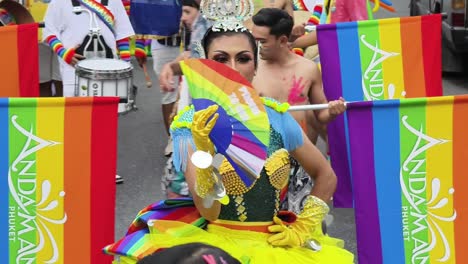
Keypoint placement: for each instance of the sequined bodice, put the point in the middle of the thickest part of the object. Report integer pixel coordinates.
(261, 202)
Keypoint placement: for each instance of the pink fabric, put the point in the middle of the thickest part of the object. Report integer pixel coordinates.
(349, 10)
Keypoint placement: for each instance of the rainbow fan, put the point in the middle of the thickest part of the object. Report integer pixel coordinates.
(242, 132)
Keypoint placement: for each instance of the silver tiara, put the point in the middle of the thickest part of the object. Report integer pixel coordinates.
(227, 15)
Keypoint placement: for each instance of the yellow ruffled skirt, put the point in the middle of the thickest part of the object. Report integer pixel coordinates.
(247, 246)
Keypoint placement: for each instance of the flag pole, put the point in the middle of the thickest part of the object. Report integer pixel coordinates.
(308, 107)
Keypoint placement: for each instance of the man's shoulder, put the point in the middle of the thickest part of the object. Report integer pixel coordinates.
(305, 68)
(304, 63)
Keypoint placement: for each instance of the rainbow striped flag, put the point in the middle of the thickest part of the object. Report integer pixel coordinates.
(137, 243)
(57, 179)
(374, 60)
(410, 181)
(19, 64)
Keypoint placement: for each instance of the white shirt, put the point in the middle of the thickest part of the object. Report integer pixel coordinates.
(71, 29)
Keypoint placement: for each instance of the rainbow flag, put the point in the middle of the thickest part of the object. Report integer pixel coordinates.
(410, 181)
(374, 60)
(19, 64)
(137, 243)
(57, 179)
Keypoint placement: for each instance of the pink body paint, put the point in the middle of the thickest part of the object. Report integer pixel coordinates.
(295, 94)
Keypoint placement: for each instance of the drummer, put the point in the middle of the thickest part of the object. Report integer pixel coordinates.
(65, 31)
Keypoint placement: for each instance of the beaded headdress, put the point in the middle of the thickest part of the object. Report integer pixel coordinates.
(227, 15)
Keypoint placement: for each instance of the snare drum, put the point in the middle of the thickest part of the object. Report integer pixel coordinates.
(106, 77)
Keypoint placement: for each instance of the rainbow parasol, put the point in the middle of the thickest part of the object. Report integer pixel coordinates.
(242, 132)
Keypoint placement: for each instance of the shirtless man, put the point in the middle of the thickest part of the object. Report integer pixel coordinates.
(283, 75)
(285, 5)
(287, 77)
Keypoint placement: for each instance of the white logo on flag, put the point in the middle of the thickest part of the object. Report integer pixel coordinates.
(28, 212)
(373, 74)
(421, 211)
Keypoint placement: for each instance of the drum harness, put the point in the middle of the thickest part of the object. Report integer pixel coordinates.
(94, 45)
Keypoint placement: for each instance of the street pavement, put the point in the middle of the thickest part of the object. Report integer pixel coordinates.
(142, 140)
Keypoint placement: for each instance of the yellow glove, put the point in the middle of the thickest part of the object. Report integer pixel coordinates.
(201, 129)
(307, 224)
(200, 133)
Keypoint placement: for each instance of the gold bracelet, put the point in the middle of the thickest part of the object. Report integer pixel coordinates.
(204, 182)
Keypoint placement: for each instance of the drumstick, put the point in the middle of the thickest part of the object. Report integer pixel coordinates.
(147, 77)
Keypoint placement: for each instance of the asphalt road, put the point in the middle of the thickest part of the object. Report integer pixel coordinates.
(142, 140)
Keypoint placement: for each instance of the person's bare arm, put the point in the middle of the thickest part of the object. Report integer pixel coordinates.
(184, 55)
(166, 77)
(298, 29)
(315, 164)
(211, 213)
(317, 96)
(305, 40)
(289, 7)
(297, 32)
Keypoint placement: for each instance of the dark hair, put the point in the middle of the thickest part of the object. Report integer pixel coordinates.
(211, 35)
(192, 253)
(279, 21)
(191, 3)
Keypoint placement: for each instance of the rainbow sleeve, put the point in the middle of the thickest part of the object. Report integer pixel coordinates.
(124, 49)
(316, 14)
(140, 48)
(57, 47)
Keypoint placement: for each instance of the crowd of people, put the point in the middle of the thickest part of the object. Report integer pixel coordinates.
(253, 227)
(258, 225)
